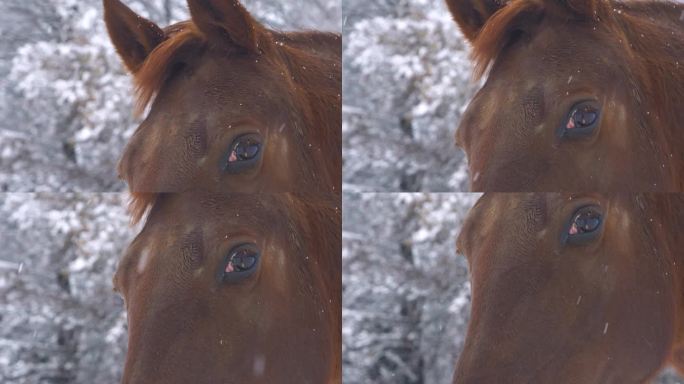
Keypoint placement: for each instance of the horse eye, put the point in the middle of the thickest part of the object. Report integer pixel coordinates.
(584, 226)
(243, 153)
(582, 120)
(240, 263)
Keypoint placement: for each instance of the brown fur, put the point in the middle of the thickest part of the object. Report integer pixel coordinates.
(186, 325)
(627, 55)
(497, 30)
(207, 82)
(180, 40)
(608, 311)
(291, 80)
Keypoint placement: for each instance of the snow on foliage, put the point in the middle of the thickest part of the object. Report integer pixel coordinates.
(60, 322)
(406, 293)
(407, 80)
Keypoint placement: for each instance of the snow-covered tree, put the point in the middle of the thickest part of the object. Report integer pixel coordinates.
(407, 79)
(406, 295)
(60, 322)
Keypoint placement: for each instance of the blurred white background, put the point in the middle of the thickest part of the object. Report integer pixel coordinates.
(405, 291)
(406, 81)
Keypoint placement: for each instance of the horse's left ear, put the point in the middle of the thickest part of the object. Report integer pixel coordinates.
(133, 36)
(471, 15)
(226, 22)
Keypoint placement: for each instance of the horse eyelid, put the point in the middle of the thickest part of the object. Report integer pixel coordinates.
(229, 162)
(568, 129)
(581, 238)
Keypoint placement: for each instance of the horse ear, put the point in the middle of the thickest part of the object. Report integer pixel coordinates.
(226, 21)
(471, 15)
(134, 37)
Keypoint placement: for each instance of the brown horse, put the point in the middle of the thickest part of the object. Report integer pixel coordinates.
(581, 95)
(247, 292)
(573, 288)
(234, 106)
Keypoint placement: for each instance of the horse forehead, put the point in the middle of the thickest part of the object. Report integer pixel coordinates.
(566, 48)
(243, 75)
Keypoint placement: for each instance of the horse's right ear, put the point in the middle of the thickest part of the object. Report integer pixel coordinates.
(134, 37)
(471, 15)
(226, 22)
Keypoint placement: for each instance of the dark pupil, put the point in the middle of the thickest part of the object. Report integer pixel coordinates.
(246, 149)
(587, 221)
(243, 260)
(584, 116)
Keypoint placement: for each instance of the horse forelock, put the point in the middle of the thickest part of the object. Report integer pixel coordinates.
(522, 15)
(495, 32)
(613, 15)
(140, 203)
(180, 40)
(158, 66)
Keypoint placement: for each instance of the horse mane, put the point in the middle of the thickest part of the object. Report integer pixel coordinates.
(308, 56)
(316, 73)
(654, 31)
(321, 223)
(148, 80)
